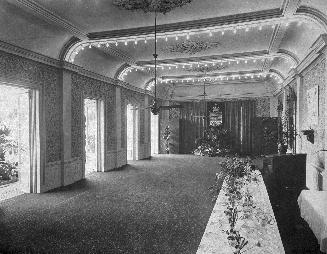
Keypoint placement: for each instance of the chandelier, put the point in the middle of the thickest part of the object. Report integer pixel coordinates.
(156, 6)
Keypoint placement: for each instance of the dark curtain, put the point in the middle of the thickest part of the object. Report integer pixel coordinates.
(238, 120)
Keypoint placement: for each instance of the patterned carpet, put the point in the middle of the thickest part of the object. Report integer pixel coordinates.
(151, 206)
(160, 205)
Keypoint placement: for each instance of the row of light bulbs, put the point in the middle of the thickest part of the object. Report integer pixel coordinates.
(219, 78)
(197, 64)
(205, 63)
(176, 36)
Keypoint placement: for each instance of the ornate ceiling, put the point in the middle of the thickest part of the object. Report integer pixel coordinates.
(240, 48)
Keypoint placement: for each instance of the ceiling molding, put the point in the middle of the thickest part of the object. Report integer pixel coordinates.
(278, 73)
(52, 18)
(121, 70)
(93, 75)
(65, 49)
(289, 54)
(211, 75)
(318, 48)
(238, 19)
(224, 57)
(18, 51)
(313, 15)
(49, 16)
(289, 8)
(118, 53)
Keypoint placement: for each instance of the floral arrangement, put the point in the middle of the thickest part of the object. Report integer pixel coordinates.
(159, 6)
(215, 142)
(238, 173)
(192, 47)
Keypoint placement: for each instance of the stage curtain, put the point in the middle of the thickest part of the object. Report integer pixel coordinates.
(238, 120)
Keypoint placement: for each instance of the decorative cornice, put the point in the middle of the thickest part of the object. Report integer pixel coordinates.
(238, 19)
(314, 15)
(224, 57)
(93, 75)
(290, 55)
(18, 51)
(51, 17)
(63, 55)
(318, 48)
(289, 7)
(278, 73)
(118, 53)
(121, 70)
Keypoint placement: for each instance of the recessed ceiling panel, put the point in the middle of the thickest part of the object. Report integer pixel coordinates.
(101, 15)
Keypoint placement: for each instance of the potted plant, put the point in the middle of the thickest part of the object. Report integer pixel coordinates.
(166, 137)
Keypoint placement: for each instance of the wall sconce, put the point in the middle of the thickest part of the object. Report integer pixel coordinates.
(310, 135)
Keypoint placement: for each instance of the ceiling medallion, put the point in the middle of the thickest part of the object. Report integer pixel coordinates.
(192, 47)
(206, 68)
(158, 6)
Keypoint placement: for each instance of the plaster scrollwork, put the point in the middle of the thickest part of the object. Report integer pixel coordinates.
(192, 47)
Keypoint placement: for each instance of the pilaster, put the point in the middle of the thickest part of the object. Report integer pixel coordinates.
(67, 118)
(118, 126)
(299, 111)
(273, 106)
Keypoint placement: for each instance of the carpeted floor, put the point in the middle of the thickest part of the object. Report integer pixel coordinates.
(151, 206)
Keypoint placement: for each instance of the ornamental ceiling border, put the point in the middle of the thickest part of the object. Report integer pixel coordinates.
(236, 19)
(37, 57)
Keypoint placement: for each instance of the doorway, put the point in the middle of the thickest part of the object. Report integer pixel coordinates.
(19, 141)
(154, 134)
(132, 132)
(94, 135)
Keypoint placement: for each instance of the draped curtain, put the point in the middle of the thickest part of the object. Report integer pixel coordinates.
(238, 120)
(34, 142)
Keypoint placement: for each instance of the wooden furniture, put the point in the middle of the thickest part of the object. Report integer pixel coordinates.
(284, 176)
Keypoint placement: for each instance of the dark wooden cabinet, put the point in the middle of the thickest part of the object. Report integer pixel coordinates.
(284, 176)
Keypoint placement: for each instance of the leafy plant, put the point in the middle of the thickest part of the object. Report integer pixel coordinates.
(166, 137)
(215, 142)
(7, 171)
